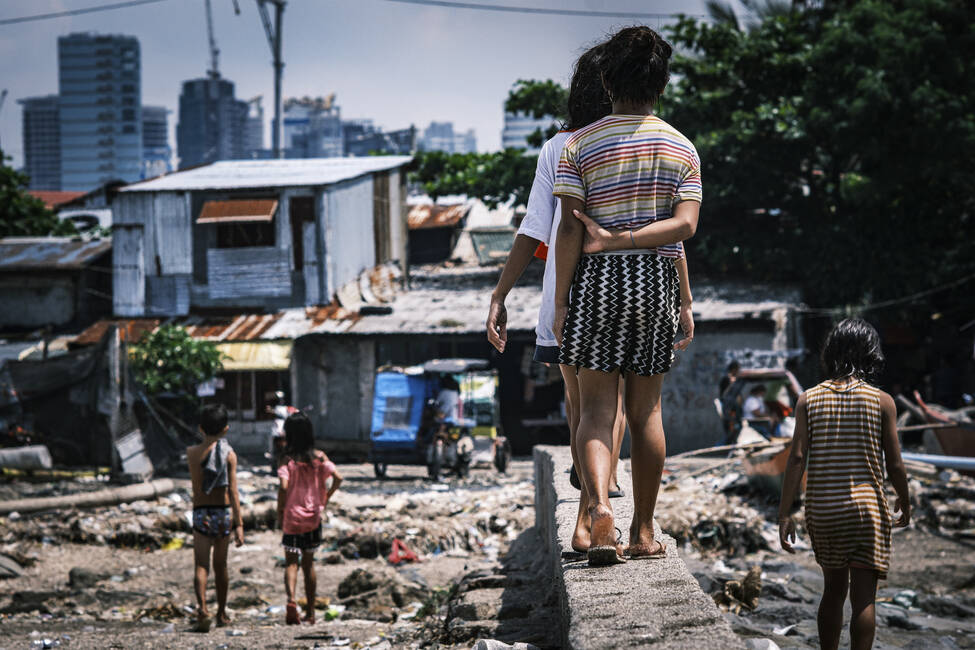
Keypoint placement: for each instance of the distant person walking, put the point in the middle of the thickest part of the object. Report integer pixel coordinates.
(639, 180)
(846, 430)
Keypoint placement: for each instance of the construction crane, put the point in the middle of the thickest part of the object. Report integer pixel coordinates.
(274, 41)
(3, 96)
(214, 71)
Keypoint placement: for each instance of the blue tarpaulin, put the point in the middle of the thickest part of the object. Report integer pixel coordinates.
(397, 409)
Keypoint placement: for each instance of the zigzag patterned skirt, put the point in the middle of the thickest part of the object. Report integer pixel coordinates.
(623, 314)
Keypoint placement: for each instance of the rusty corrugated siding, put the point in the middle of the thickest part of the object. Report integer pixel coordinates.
(435, 216)
(50, 253)
(238, 210)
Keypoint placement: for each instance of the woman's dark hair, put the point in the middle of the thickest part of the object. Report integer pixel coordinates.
(588, 100)
(734, 366)
(299, 438)
(852, 349)
(213, 419)
(635, 65)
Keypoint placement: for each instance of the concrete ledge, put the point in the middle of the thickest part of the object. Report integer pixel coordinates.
(646, 603)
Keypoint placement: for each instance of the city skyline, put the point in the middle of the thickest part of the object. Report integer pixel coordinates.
(388, 62)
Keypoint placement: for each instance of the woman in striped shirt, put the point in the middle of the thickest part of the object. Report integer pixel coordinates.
(846, 430)
(635, 174)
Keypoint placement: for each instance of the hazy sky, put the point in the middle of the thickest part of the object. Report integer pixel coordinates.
(398, 64)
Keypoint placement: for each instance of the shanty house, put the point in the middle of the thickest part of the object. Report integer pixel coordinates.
(253, 253)
(259, 234)
(434, 230)
(55, 282)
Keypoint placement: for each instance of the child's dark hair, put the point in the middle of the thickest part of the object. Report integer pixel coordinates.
(588, 100)
(852, 349)
(635, 65)
(213, 419)
(299, 438)
(734, 366)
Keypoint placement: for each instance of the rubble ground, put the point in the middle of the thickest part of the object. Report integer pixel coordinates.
(727, 528)
(122, 576)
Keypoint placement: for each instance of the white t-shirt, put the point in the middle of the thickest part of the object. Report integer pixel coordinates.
(541, 222)
(448, 403)
(754, 407)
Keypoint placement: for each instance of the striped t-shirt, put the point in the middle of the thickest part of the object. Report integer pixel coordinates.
(630, 170)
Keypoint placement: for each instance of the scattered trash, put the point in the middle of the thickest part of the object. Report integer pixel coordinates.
(761, 644)
(174, 544)
(786, 630)
(905, 599)
(236, 633)
(333, 612)
(169, 629)
(401, 553)
(738, 594)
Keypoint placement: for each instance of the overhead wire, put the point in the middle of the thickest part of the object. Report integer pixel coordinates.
(76, 12)
(480, 6)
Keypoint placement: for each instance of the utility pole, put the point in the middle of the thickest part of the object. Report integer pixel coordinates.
(274, 41)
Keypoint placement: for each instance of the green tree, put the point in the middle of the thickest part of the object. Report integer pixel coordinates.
(169, 360)
(835, 145)
(501, 176)
(23, 215)
(539, 99)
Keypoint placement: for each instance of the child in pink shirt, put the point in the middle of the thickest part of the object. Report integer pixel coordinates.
(302, 495)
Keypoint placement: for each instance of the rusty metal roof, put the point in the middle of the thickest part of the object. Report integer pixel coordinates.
(53, 198)
(50, 253)
(238, 210)
(130, 329)
(436, 216)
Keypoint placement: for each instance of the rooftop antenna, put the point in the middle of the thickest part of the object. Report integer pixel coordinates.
(3, 96)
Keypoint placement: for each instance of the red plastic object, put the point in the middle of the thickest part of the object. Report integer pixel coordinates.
(401, 553)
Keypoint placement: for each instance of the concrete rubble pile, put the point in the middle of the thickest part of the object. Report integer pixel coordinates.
(700, 513)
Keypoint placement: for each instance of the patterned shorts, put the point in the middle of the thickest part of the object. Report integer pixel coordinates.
(212, 521)
(301, 542)
(623, 314)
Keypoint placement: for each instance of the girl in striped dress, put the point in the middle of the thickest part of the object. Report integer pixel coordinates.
(846, 430)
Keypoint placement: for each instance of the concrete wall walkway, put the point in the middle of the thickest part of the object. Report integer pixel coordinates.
(646, 603)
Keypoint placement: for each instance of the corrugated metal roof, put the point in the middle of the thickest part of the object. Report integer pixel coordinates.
(54, 198)
(492, 245)
(238, 210)
(50, 253)
(130, 329)
(436, 216)
(235, 174)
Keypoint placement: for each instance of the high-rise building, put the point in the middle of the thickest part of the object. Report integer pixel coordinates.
(42, 142)
(156, 152)
(440, 136)
(313, 128)
(99, 79)
(518, 126)
(211, 123)
(363, 138)
(254, 129)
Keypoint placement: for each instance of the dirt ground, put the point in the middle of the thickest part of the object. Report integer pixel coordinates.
(481, 574)
(461, 528)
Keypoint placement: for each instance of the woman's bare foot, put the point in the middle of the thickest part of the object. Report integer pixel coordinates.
(602, 528)
(222, 619)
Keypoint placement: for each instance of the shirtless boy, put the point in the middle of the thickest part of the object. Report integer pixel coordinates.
(216, 510)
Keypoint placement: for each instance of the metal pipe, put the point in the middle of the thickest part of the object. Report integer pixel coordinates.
(278, 71)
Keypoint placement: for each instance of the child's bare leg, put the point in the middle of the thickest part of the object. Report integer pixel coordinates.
(311, 581)
(201, 572)
(830, 617)
(863, 595)
(619, 428)
(647, 452)
(290, 574)
(580, 536)
(221, 577)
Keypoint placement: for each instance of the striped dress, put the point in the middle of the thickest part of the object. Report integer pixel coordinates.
(846, 507)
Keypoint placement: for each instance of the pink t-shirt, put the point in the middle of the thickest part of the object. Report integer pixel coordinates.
(307, 494)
